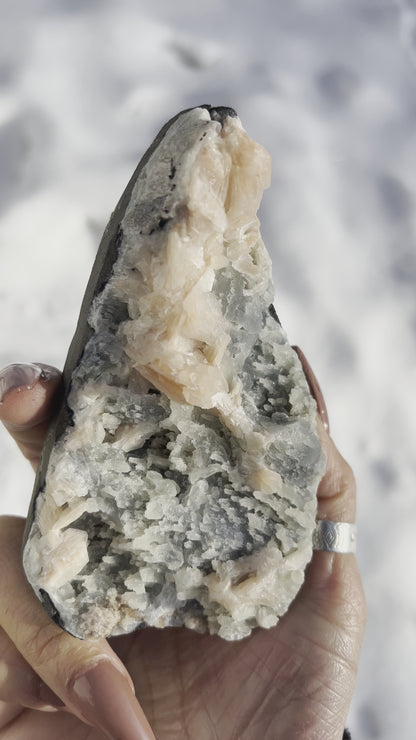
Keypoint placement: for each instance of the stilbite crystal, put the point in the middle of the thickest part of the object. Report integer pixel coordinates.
(178, 483)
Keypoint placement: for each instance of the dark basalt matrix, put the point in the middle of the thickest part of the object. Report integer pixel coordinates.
(177, 485)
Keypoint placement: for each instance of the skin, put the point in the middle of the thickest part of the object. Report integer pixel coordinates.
(293, 682)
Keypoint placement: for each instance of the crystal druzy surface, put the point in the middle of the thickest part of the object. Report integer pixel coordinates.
(178, 483)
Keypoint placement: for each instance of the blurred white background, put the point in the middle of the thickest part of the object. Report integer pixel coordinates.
(329, 88)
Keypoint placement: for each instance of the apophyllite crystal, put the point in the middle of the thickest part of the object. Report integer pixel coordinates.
(178, 482)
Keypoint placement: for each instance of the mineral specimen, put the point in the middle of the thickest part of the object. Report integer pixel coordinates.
(178, 482)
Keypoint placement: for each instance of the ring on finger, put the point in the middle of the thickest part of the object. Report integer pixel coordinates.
(338, 537)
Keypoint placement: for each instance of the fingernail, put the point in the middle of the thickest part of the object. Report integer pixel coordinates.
(103, 698)
(314, 388)
(18, 376)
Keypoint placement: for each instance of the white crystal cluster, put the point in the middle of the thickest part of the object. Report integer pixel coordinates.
(184, 490)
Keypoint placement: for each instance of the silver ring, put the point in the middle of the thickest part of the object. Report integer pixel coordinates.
(335, 536)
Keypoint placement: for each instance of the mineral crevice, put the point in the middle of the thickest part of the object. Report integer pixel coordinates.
(178, 485)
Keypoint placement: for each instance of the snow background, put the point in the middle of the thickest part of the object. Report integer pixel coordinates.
(329, 88)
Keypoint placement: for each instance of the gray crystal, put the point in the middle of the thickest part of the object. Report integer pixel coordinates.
(178, 482)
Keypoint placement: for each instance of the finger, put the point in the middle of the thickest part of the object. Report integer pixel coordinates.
(8, 713)
(33, 725)
(19, 684)
(337, 490)
(333, 594)
(86, 675)
(27, 399)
